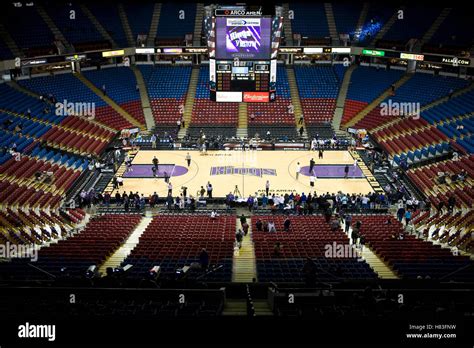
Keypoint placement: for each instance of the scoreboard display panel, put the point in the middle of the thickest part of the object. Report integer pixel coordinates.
(242, 69)
(244, 76)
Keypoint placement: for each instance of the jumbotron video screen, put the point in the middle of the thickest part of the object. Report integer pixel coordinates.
(243, 38)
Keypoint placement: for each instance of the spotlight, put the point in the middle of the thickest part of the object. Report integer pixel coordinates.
(91, 271)
(154, 272)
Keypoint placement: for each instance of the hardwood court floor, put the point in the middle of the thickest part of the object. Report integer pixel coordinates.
(224, 170)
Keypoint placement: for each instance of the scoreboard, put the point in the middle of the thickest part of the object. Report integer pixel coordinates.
(242, 59)
(243, 76)
(243, 80)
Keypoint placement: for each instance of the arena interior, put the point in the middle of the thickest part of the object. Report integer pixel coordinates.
(266, 163)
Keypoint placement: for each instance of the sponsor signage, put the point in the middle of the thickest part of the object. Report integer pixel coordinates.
(291, 49)
(313, 50)
(256, 97)
(113, 53)
(176, 50)
(75, 57)
(196, 50)
(455, 61)
(411, 56)
(238, 13)
(374, 53)
(230, 97)
(34, 62)
(144, 50)
(341, 50)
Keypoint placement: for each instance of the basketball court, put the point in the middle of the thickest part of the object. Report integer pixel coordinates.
(248, 170)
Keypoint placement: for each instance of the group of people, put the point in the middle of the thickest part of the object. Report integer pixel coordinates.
(453, 177)
(302, 204)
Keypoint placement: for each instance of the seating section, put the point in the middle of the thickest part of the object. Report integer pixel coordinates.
(28, 30)
(346, 16)
(180, 246)
(309, 20)
(411, 135)
(36, 227)
(5, 52)
(171, 26)
(377, 15)
(68, 87)
(318, 87)
(139, 17)
(426, 177)
(167, 87)
(99, 240)
(77, 134)
(457, 120)
(411, 257)
(113, 303)
(309, 236)
(453, 35)
(108, 17)
(450, 228)
(120, 85)
(207, 113)
(27, 167)
(78, 31)
(274, 113)
(14, 194)
(365, 86)
(415, 23)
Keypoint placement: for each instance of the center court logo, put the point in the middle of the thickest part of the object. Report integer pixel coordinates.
(392, 108)
(12, 251)
(67, 108)
(28, 330)
(230, 170)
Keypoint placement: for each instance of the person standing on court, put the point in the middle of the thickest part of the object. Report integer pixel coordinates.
(298, 170)
(320, 153)
(267, 187)
(209, 189)
(188, 159)
(155, 162)
(301, 131)
(311, 165)
(346, 171)
(170, 189)
(312, 179)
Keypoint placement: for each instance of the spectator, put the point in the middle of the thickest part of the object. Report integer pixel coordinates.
(204, 259)
(407, 217)
(259, 225)
(239, 237)
(277, 248)
(286, 224)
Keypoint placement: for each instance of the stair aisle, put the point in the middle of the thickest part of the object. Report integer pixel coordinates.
(375, 103)
(145, 100)
(126, 25)
(155, 21)
(244, 264)
(242, 129)
(189, 104)
(295, 100)
(121, 253)
(110, 102)
(341, 98)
